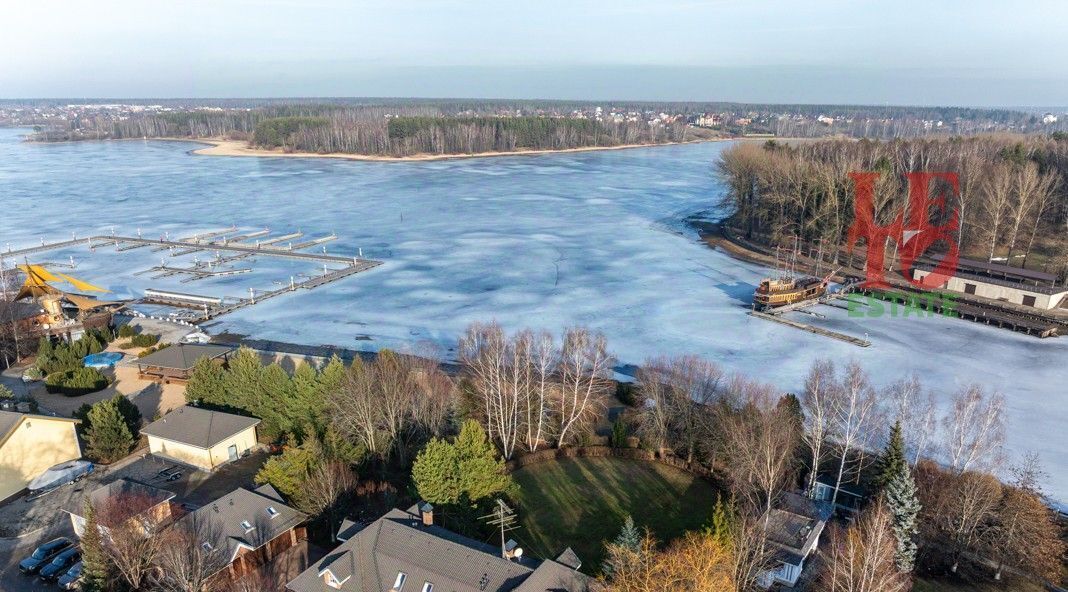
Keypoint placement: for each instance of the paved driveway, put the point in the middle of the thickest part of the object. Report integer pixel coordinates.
(30, 521)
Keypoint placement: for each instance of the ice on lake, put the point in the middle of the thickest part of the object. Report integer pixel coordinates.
(593, 238)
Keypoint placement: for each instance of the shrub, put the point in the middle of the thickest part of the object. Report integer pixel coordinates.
(153, 350)
(5, 393)
(627, 393)
(144, 340)
(33, 373)
(73, 383)
(619, 433)
(127, 331)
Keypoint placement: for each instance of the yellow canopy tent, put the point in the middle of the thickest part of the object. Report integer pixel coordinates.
(36, 284)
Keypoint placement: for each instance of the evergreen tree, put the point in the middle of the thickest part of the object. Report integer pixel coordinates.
(892, 462)
(435, 473)
(109, 435)
(288, 472)
(629, 539)
(94, 560)
(242, 381)
(722, 523)
(274, 400)
(481, 469)
(904, 506)
(207, 383)
(306, 406)
(468, 469)
(790, 404)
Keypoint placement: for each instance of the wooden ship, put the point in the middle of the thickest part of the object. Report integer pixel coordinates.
(789, 288)
(776, 292)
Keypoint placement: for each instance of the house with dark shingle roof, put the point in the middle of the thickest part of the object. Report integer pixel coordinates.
(793, 530)
(174, 363)
(200, 437)
(404, 551)
(242, 532)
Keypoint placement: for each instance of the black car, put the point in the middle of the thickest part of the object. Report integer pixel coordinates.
(60, 564)
(71, 579)
(43, 554)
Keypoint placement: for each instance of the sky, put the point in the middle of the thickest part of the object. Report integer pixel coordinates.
(947, 52)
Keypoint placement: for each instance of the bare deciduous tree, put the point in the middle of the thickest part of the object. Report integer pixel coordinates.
(585, 380)
(974, 430)
(817, 402)
(861, 557)
(131, 524)
(855, 411)
(185, 564)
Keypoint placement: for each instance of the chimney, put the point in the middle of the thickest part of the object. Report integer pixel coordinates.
(427, 512)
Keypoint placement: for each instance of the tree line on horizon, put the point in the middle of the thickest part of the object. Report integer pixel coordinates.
(1012, 204)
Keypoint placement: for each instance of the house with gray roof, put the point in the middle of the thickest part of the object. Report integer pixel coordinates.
(793, 532)
(201, 438)
(174, 363)
(404, 551)
(242, 532)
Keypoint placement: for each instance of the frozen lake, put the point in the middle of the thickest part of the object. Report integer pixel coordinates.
(594, 238)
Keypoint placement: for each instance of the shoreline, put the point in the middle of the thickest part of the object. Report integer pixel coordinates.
(239, 148)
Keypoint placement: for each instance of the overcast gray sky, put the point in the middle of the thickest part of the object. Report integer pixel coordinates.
(977, 52)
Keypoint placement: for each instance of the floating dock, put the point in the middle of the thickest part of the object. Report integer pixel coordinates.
(228, 249)
(812, 329)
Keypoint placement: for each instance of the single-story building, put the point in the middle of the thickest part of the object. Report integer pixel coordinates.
(850, 495)
(123, 500)
(996, 281)
(174, 364)
(793, 532)
(30, 444)
(201, 438)
(406, 552)
(242, 532)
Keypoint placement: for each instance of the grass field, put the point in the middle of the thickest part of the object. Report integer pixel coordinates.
(582, 502)
(1009, 585)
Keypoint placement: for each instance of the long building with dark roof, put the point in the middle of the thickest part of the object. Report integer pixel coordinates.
(404, 551)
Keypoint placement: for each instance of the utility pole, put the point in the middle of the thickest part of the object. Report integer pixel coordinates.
(504, 518)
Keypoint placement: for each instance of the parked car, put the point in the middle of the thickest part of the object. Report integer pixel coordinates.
(43, 554)
(60, 564)
(71, 580)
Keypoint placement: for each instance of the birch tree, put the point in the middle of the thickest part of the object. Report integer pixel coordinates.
(817, 402)
(585, 380)
(855, 409)
(974, 430)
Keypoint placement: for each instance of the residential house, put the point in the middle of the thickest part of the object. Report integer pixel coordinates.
(123, 500)
(174, 364)
(404, 551)
(201, 438)
(850, 495)
(793, 531)
(244, 531)
(30, 444)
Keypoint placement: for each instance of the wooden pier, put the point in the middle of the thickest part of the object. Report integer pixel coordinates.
(228, 249)
(812, 329)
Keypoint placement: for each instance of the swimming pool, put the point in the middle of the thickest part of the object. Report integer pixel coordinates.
(102, 359)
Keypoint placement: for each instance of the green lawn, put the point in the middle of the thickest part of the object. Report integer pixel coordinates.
(1009, 585)
(582, 502)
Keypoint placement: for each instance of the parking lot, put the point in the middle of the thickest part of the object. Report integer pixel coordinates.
(29, 521)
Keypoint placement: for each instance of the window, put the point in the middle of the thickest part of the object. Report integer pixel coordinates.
(398, 584)
(246, 525)
(428, 587)
(969, 288)
(1028, 300)
(271, 511)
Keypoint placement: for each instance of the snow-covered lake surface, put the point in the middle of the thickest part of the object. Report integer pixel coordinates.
(593, 238)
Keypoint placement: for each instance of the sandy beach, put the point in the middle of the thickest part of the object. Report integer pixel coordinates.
(219, 147)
